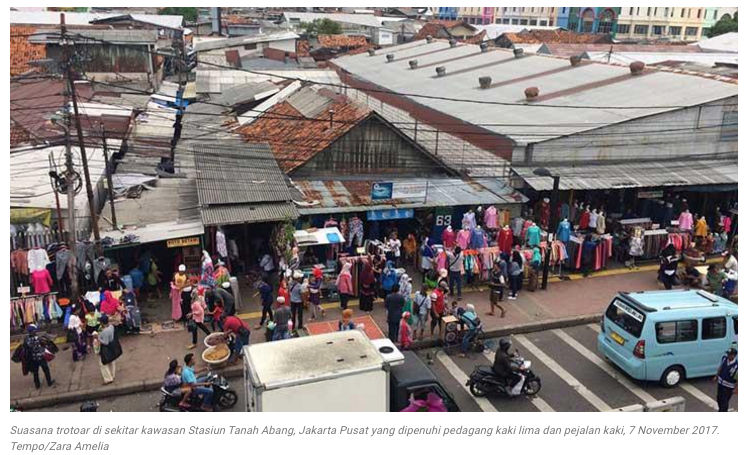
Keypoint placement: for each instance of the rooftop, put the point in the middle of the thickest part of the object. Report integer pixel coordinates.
(347, 41)
(585, 92)
(22, 51)
(681, 299)
(568, 49)
(728, 42)
(494, 31)
(555, 36)
(53, 18)
(95, 36)
(217, 81)
(366, 20)
(209, 44)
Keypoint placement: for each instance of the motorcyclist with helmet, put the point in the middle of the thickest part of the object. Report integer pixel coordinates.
(503, 368)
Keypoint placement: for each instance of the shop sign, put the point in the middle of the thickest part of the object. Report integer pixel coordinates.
(392, 214)
(399, 190)
(179, 243)
(650, 194)
(382, 191)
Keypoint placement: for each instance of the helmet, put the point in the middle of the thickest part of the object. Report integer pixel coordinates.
(505, 344)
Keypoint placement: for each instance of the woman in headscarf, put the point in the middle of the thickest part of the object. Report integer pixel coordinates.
(315, 285)
(75, 325)
(221, 275)
(283, 291)
(405, 288)
(669, 262)
(206, 271)
(345, 285)
(367, 291)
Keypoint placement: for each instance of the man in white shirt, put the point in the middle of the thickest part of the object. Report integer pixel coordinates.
(266, 263)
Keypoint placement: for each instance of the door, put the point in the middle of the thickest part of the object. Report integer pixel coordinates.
(713, 346)
(676, 343)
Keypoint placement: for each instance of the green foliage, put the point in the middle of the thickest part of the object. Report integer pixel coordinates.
(188, 13)
(725, 25)
(322, 27)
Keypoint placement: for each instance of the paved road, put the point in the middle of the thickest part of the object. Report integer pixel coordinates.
(575, 377)
(141, 402)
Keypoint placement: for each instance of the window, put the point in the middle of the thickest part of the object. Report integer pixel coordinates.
(736, 324)
(657, 30)
(534, 22)
(606, 21)
(729, 130)
(676, 332)
(542, 23)
(699, 13)
(641, 29)
(564, 10)
(682, 11)
(631, 11)
(250, 47)
(551, 22)
(674, 31)
(523, 21)
(505, 21)
(626, 317)
(689, 13)
(573, 26)
(649, 12)
(514, 22)
(655, 12)
(714, 328)
(704, 31)
(691, 31)
(715, 15)
(623, 29)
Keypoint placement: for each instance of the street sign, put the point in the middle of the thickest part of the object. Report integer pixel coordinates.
(399, 190)
(650, 194)
(382, 191)
(187, 241)
(392, 214)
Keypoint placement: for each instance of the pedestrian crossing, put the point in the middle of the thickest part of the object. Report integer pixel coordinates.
(575, 378)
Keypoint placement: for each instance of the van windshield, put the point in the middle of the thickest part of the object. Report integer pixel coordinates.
(626, 317)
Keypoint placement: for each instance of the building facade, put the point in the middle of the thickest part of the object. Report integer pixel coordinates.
(541, 16)
(678, 23)
(713, 15)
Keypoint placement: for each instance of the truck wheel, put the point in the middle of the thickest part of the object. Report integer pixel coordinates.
(672, 376)
(228, 399)
(476, 390)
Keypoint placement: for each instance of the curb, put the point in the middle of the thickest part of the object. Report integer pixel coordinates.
(128, 388)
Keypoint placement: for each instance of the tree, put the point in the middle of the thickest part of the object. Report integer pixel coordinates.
(726, 24)
(189, 14)
(322, 27)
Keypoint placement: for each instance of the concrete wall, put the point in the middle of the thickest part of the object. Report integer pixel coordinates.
(288, 45)
(670, 135)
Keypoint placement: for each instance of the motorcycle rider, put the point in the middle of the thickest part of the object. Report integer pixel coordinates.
(503, 368)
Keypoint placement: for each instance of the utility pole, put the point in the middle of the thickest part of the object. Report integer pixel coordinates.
(72, 240)
(79, 131)
(108, 168)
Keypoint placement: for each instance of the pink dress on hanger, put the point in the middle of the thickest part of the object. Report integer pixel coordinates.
(463, 239)
(41, 280)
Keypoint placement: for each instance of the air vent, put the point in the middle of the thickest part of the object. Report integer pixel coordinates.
(390, 57)
(371, 52)
(575, 60)
(518, 53)
(429, 38)
(441, 70)
(413, 64)
(531, 93)
(453, 42)
(485, 82)
(484, 47)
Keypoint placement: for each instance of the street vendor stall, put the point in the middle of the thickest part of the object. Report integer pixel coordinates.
(317, 243)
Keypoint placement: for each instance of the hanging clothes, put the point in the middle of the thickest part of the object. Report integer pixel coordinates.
(584, 220)
(463, 239)
(700, 228)
(563, 231)
(686, 221)
(504, 240)
(41, 281)
(448, 238)
(564, 211)
(601, 224)
(490, 218)
(544, 214)
(221, 248)
(37, 259)
(478, 239)
(469, 220)
(517, 226)
(533, 236)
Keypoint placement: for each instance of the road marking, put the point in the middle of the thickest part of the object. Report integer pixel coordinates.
(697, 393)
(591, 397)
(585, 352)
(536, 400)
(462, 378)
(596, 327)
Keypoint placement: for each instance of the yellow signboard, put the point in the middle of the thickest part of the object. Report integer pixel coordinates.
(178, 243)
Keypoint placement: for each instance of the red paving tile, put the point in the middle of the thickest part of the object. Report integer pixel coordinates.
(370, 327)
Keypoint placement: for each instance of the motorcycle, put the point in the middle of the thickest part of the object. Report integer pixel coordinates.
(223, 397)
(483, 381)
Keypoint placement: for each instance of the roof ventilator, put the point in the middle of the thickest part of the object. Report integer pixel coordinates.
(371, 52)
(441, 70)
(636, 68)
(518, 53)
(485, 82)
(429, 39)
(531, 93)
(390, 58)
(413, 64)
(453, 42)
(575, 60)
(484, 47)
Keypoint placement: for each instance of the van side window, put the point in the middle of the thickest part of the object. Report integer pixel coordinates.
(736, 324)
(676, 331)
(714, 328)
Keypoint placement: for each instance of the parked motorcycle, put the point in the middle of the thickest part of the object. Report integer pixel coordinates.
(223, 397)
(483, 381)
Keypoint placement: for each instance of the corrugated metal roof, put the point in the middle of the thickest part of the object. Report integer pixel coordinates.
(494, 31)
(116, 36)
(366, 20)
(53, 18)
(239, 174)
(650, 58)
(309, 102)
(635, 175)
(219, 215)
(207, 45)
(253, 91)
(217, 81)
(727, 42)
(325, 196)
(660, 91)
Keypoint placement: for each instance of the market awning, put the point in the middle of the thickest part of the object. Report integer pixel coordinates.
(316, 237)
(640, 174)
(155, 232)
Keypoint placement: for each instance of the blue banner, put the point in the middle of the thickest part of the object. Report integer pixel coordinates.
(382, 191)
(391, 214)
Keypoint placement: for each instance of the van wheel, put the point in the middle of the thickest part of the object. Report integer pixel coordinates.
(672, 376)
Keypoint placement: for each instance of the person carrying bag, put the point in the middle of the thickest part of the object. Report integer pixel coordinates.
(109, 350)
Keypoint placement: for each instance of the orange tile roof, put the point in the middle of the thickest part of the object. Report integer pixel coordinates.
(336, 41)
(475, 39)
(18, 135)
(21, 51)
(557, 37)
(294, 139)
(434, 27)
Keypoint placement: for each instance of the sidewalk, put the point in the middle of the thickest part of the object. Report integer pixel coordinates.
(146, 356)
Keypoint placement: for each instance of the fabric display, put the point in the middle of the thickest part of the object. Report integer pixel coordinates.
(469, 220)
(448, 238)
(564, 231)
(34, 309)
(490, 218)
(463, 238)
(504, 240)
(356, 232)
(600, 256)
(686, 221)
(533, 235)
(478, 239)
(357, 264)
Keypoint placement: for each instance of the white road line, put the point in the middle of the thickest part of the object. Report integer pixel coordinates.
(536, 401)
(697, 393)
(585, 352)
(596, 327)
(462, 378)
(591, 397)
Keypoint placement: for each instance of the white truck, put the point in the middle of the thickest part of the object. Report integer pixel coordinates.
(333, 372)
